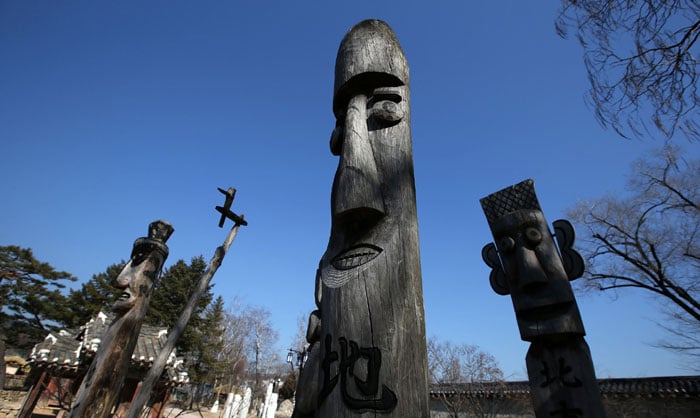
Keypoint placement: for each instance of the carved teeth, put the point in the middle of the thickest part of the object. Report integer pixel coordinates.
(356, 256)
(545, 312)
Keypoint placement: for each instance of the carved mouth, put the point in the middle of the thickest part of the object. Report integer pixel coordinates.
(125, 296)
(356, 256)
(545, 312)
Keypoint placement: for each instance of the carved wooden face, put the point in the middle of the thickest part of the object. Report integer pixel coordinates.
(370, 292)
(373, 190)
(374, 176)
(137, 277)
(542, 297)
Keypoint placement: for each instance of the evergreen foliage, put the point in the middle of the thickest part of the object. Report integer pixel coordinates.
(210, 341)
(95, 295)
(31, 303)
(170, 296)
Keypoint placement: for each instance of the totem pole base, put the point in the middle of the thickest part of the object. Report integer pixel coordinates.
(562, 379)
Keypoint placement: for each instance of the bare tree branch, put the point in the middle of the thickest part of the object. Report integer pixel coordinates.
(648, 240)
(641, 60)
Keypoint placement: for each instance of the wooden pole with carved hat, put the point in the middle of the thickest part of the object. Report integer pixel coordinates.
(99, 390)
(142, 397)
(526, 264)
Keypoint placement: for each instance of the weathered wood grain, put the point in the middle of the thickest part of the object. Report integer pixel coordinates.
(562, 379)
(156, 370)
(372, 354)
(99, 391)
(527, 265)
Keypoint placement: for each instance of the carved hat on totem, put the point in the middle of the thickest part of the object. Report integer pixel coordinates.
(520, 196)
(370, 54)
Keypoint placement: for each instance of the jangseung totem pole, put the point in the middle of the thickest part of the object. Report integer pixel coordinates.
(369, 351)
(99, 390)
(527, 265)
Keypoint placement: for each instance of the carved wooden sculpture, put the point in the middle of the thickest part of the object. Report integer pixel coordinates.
(527, 265)
(154, 374)
(371, 354)
(99, 390)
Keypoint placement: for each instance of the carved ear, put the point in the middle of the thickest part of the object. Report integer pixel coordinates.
(572, 260)
(313, 330)
(318, 294)
(498, 280)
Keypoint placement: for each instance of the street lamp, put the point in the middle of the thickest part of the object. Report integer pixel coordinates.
(300, 358)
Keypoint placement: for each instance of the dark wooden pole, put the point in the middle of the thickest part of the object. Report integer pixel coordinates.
(527, 265)
(33, 397)
(100, 388)
(156, 370)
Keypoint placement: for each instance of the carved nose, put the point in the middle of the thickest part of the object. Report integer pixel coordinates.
(124, 278)
(531, 274)
(357, 194)
(122, 282)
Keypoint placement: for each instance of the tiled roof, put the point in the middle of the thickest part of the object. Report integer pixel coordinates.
(71, 350)
(487, 389)
(60, 350)
(684, 386)
(661, 386)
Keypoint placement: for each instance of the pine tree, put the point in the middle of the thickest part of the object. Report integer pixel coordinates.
(95, 295)
(208, 363)
(212, 333)
(170, 296)
(31, 303)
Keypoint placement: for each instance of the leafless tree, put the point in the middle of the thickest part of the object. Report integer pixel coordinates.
(248, 346)
(299, 340)
(642, 62)
(237, 331)
(260, 347)
(450, 363)
(649, 239)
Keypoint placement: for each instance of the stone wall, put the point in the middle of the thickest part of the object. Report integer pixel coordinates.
(14, 382)
(10, 402)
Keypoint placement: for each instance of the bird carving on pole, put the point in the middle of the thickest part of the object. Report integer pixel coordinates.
(226, 212)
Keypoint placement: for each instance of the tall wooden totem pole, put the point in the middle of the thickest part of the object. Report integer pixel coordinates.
(100, 388)
(368, 352)
(527, 265)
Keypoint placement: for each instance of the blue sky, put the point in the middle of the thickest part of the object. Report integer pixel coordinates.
(114, 114)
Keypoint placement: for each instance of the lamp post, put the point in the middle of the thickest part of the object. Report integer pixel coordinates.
(300, 358)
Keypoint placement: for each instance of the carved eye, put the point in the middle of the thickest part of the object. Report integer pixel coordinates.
(387, 111)
(533, 236)
(141, 252)
(138, 257)
(506, 244)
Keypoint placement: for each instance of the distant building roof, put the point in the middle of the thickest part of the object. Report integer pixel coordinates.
(673, 386)
(482, 389)
(660, 386)
(69, 350)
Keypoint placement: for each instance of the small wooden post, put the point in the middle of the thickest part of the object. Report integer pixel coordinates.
(100, 388)
(33, 397)
(156, 370)
(527, 265)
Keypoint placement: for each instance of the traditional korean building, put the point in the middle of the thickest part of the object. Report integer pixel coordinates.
(59, 364)
(649, 397)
